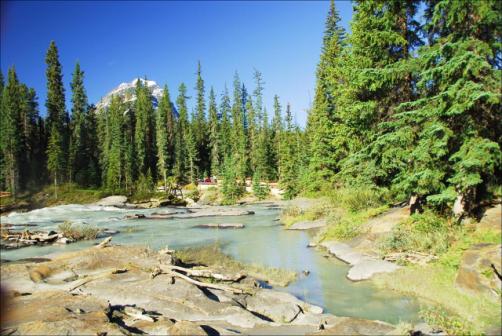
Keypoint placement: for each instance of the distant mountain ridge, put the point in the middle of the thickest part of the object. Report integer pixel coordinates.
(127, 92)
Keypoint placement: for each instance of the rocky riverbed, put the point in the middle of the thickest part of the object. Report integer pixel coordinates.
(134, 290)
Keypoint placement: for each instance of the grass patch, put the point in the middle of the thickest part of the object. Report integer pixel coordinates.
(212, 256)
(78, 232)
(294, 214)
(346, 225)
(458, 313)
(68, 193)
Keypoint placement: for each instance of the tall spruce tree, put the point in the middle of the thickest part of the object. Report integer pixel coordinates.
(182, 131)
(225, 136)
(79, 156)
(214, 135)
(199, 126)
(276, 131)
(165, 137)
(57, 116)
(239, 143)
(12, 137)
(288, 178)
(145, 130)
(114, 169)
(320, 123)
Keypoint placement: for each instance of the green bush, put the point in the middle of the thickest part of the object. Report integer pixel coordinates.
(426, 232)
(357, 199)
(261, 191)
(439, 318)
(78, 232)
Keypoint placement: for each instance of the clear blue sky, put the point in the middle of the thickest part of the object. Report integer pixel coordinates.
(118, 41)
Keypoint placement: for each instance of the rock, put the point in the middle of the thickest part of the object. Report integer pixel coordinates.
(106, 233)
(492, 219)
(221, 226)
(365, 269)
(135, 216)
(306, 225)
(186, 328)
(363, 266)
(312, 244)
(279, 306)
(478, 270)
(115, 201)
(356, 326)
(423, 329)
(64, 241)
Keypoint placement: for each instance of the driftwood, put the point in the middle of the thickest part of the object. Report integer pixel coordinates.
(137, 313)
(203, 284)
(104, 243)
(205, 273)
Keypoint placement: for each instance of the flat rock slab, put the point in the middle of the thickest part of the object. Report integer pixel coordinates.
(221, 226)
(306, 225)
(365, 269)
(357, 326)
(116, 201)
(477, 274)
(363, 266)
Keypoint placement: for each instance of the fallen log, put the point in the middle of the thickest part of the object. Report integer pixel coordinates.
(104, 243)
(205, 273)
(199, 283)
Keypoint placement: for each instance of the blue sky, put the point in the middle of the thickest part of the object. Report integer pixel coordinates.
(118, 41)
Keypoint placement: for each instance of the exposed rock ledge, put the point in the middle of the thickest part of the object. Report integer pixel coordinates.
(363, 266)
(113, 290)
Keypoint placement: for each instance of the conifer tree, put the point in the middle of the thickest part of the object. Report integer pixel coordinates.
(214, 135)
(11, 139)
(225, 136)
(276, 131)
(288, 178)
(55, 158)
(165, 137)
(320, 123)
(182, 130)
(145, 130)
(79, 157)
(252, 135)
(57, 116)
(114, 171)
(200, 129)
(239, 143)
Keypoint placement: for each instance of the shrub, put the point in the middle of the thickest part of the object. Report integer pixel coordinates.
(261, 191)
(439, 318)
(78, 232)
(426, 232)
(357, 199)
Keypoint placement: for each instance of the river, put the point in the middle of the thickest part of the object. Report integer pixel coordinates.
(262, 241)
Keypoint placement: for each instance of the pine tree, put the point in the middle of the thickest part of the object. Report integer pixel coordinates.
(200, 130)
(114, 171)
(277, 129)
(79, 156)
(57, 116)
(225, 136)
(11, 139)
(214, 135)
(182, 131)
(239, 143)
(145, 130)
(288, 178)
(165, 137)
(320, 123)
(55, 158)
(252, 135)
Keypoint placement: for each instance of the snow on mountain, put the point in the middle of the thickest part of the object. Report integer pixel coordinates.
(127, 92)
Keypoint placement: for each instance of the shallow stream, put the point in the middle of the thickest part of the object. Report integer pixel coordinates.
(262, 241)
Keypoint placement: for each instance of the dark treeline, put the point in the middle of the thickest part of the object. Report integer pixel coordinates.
(404, 104)
(410, 105)
(129, 145)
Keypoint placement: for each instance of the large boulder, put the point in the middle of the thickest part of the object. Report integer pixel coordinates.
(478, 270)
(492, 219)
(115, 201)
(279, 306)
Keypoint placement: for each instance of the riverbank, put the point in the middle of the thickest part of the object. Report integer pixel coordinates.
(134, 290)
(453, 268)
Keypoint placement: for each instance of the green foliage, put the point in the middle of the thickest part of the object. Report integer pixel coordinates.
(78, 232)
(231, 189)
(260, 190)
(144, 187)
(425, 232)
(452, 324)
